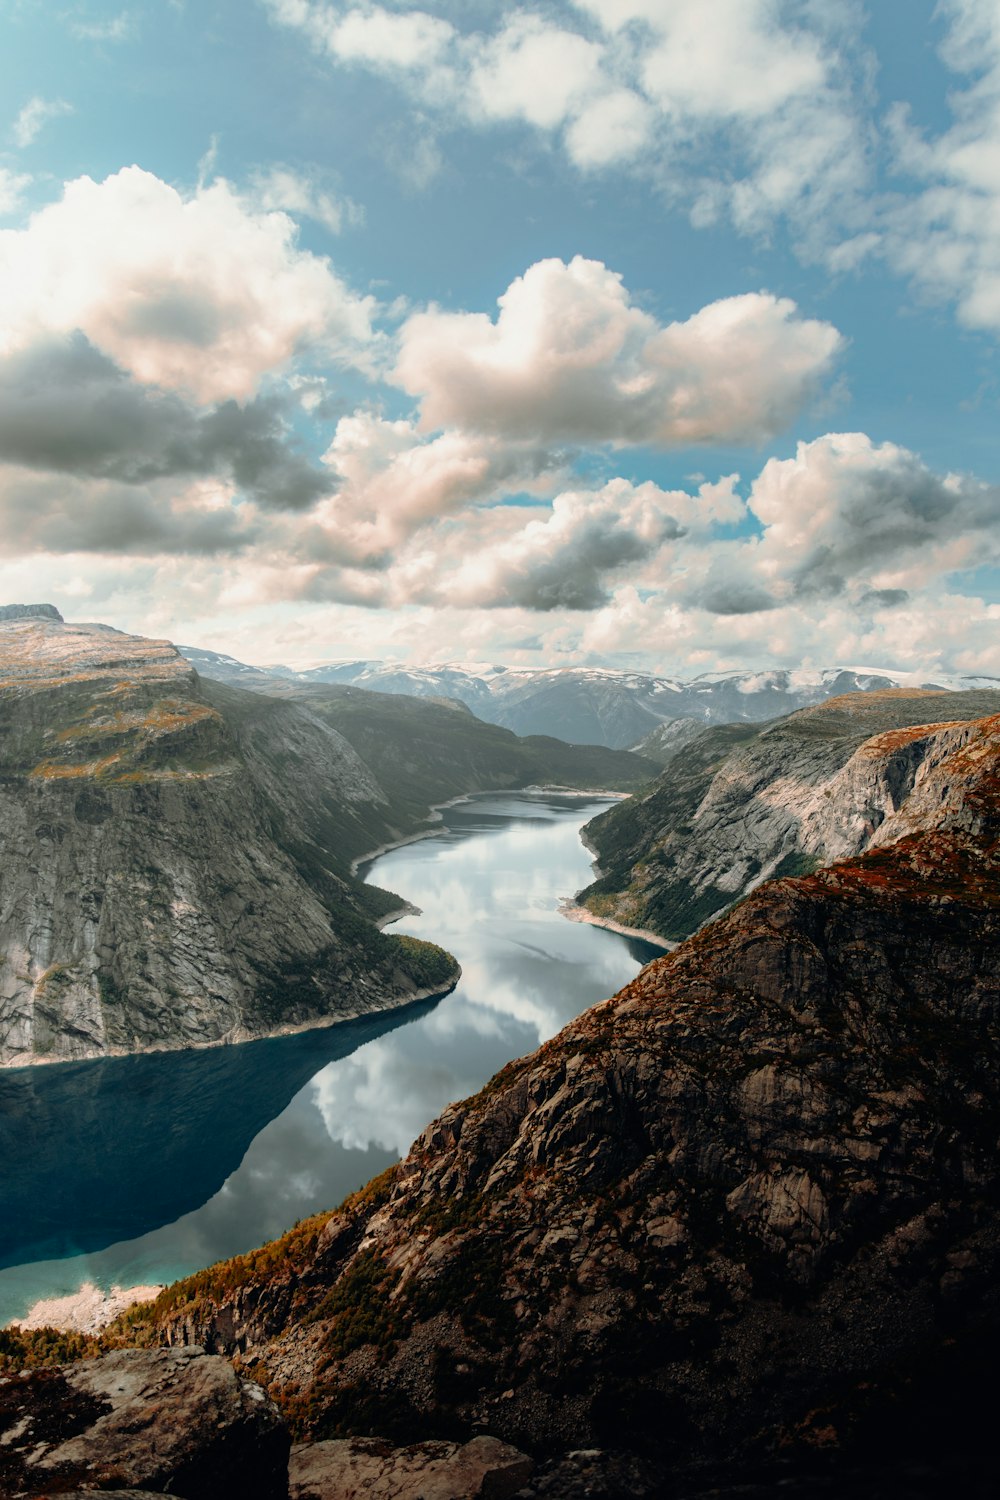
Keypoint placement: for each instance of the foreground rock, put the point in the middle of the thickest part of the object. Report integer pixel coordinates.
(174, 1421)
(353, 1467)
(748, 1207)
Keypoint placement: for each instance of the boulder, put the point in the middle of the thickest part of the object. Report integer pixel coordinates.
(370, 1467)
(174, 1421)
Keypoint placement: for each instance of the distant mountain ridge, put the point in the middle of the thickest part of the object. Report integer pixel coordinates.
(593, 705)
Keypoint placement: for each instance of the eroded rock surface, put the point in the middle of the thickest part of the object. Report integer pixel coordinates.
(483, 1469)
(176, 1421)
(738, 805)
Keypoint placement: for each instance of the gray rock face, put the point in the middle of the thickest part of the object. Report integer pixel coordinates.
(483, 1469)
(736, 806)
(29, 612)
(170, 870)
(176, 1421)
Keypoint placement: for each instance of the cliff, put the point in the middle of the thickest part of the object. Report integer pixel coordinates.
(737, 805)
(739, 1211)
(158, 888)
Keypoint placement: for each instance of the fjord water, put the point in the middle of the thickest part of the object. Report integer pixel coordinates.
(142, 1169)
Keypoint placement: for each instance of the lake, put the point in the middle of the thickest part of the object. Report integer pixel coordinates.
(142, 1169)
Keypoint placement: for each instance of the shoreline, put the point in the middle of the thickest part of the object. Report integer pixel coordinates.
(87, 1310)
(236, 1038)
(435, 816)
(573, 912)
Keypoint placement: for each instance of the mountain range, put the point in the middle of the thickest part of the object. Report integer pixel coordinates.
(179, 854)
(591, 705)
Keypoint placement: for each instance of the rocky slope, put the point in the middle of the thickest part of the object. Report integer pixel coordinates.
(747, 1209)
(589, 705)
(158, 888)
(738, 804)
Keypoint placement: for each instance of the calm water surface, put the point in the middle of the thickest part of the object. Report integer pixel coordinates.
(143, 1169)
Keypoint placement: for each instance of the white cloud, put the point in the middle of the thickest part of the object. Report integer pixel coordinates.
(948, 236)
(301, 193)
(12, 186)
(571, 358)
(531, 71)
(201, 292)
(567, 559)
(704, 97)
(115, 29)
(35, 115)
(717, 57)
(845, 514)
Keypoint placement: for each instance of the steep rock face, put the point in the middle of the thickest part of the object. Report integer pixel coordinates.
(158, 887)
(738, 805)
(727, 1211)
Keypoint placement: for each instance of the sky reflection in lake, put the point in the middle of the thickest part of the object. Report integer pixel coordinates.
(143, 1169)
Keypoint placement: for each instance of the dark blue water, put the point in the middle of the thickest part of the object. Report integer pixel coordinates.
(142, 1169)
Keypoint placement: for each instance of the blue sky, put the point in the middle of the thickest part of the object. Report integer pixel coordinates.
(738, 406)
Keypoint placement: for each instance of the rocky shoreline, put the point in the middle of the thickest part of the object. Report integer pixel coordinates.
(88, 1310)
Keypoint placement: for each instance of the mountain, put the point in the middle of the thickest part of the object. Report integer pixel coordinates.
(590, 705)
(159, 887)
(743, 1215)
(738, 804)
(178, 853)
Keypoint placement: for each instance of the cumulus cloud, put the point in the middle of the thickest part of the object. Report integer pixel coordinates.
(44, 513)
(571, 358)
(845, 510)
(68, 408)
(199, 292)
(565, 560)
(34, 116)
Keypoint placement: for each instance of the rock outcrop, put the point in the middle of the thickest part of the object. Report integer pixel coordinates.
(482, 1469)
(748, 1208)
(738, 805)
(29, 612)
(168, 1421)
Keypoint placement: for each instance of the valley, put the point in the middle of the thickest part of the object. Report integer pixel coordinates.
(178, 854)
(737, 1223)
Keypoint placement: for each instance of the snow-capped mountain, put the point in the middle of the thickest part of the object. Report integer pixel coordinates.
(594, 705)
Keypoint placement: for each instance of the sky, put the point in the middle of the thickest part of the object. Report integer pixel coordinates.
(658, 334)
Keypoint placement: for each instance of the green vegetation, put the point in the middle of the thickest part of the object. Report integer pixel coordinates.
(22, 1349)
(796, 863)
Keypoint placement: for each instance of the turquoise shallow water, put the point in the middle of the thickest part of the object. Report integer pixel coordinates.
(142, 1169)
